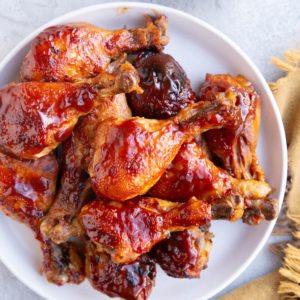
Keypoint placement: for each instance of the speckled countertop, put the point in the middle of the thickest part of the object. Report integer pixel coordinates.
(261, 28)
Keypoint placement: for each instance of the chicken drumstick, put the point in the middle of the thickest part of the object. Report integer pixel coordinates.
(192, 174)
(60, 223)
(78, 51)
(128, 229)
(131, 155)
(36, 116)
(184, 254)
(27, 189)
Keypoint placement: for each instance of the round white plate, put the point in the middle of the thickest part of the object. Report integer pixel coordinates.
(199, 48)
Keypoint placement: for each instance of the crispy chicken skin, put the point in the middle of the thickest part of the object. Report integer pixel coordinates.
(62, 263)
(77, 51)
(133, 281)
(129, 229)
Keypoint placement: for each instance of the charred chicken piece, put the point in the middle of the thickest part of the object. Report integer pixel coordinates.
(166, 87)
(62, 263)
(133, 281)
(131, 155)
(184, 254)
(126, 230)
(77, 51)
(60, 224)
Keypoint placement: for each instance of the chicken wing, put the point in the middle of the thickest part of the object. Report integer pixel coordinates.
(77, 51)
(128, 229)
(166, 87)
(60, 223)
(184, 254)
(133, 281)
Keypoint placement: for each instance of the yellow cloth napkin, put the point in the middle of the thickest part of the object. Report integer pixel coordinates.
(263, 288)
(284, 283)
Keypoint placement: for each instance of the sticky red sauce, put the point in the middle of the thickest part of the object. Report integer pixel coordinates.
(234, 146)
(135, 226)
(34, 116)
(27, 188)
(65, 53)
(191, 174)
(128, 224)
(133, 156)
(179, 255)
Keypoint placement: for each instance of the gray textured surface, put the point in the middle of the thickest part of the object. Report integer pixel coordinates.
(261, 28)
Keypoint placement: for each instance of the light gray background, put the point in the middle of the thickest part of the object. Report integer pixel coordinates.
(261, 28)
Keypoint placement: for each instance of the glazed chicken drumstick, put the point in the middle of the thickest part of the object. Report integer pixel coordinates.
(235, 148)
(60, 223)
(166, 90)
(192, 174)
(27, 189)
(37, 116)
(126, 230)
(131, 155)
(78, 51)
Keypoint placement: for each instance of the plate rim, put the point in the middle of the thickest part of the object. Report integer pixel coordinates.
(228, 41)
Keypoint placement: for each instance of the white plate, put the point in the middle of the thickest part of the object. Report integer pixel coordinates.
(199, 48)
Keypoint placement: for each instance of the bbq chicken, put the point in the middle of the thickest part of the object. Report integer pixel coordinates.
(191, 173)
(235, 148)
(60, 224)
(77, 51)
(35, 116)
(131, 155)
(133, 281)
(126, 230)
(111, 159)
(184, 254)
(27, 189)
